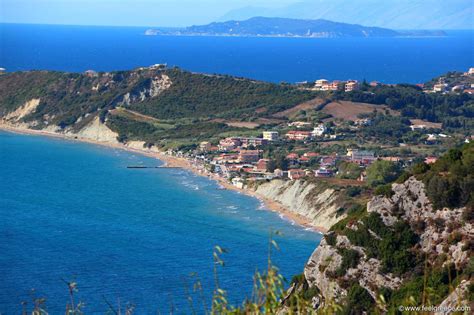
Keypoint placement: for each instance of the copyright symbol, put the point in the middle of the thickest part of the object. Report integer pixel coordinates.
(401, 308)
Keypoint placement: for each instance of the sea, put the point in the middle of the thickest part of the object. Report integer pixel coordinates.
(388, 60)
(73, 212)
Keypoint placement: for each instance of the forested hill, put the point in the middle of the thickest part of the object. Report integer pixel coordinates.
(159, 93)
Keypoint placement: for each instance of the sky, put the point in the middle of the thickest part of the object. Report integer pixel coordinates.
(124, 12)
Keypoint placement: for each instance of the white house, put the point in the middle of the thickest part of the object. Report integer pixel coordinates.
(319, 130)
(440, 87)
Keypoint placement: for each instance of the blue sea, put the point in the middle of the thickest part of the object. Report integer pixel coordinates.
(73, 212)
(389, 60)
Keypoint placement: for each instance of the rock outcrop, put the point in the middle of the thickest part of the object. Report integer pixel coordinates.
(437, 228)
(154, 87)
(439, 233)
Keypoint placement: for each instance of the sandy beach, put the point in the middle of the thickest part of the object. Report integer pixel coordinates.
(172, 161)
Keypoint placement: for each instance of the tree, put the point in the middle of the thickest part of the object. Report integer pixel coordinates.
(281, 163)
(271, 166)
(349, 170)
(382, 172)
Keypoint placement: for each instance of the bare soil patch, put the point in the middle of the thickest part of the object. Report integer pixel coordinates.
(303, 106)
(350, 110)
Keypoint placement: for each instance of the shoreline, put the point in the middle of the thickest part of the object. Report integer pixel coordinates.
(177, 162)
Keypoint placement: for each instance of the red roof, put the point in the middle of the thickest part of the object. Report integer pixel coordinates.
(298, 132)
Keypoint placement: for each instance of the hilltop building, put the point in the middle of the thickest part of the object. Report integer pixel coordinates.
(298, 135)
(249, 156)
(440, 87)
(229, 144)
(270, 135)
(262, 165)
(90, 73)
(205, 146)
(323, 172)
(351, 85)
(319, 130)
(320, 83)
(362, 157)
(296, 174)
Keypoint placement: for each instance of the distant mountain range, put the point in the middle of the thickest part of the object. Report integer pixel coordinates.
(284, 27)
(394, 14)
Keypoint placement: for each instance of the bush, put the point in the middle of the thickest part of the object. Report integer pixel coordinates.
(420, 168)
(403, 178)
(331, 238)
(353, 191)
(358, 301)
(382, 172)
(350, 259)
(384, 190)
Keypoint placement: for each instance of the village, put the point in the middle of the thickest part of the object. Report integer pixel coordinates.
(455, 82)
(241, 160)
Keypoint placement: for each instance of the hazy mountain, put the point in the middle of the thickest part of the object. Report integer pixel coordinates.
(396, 14)
(264, 26)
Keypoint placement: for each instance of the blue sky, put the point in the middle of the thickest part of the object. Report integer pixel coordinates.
(124, 12)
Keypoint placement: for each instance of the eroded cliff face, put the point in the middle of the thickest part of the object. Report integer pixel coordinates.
(314, 201)
(96, 131)
(152, 88)
(439, 233)
(22, 111)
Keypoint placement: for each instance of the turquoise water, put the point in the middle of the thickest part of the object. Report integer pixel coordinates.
(390, 60)
(73, 211)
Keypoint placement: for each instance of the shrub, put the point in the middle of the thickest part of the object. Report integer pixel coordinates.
(331, 238)
(350, 259)
(403, 178)
(358, 301)
(420, 168)
(353, 191)
(384, 190)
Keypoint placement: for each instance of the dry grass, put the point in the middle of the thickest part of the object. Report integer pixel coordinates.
(350, 110)
(303, 106)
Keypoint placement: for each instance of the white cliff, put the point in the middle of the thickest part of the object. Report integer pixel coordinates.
(314, 201)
